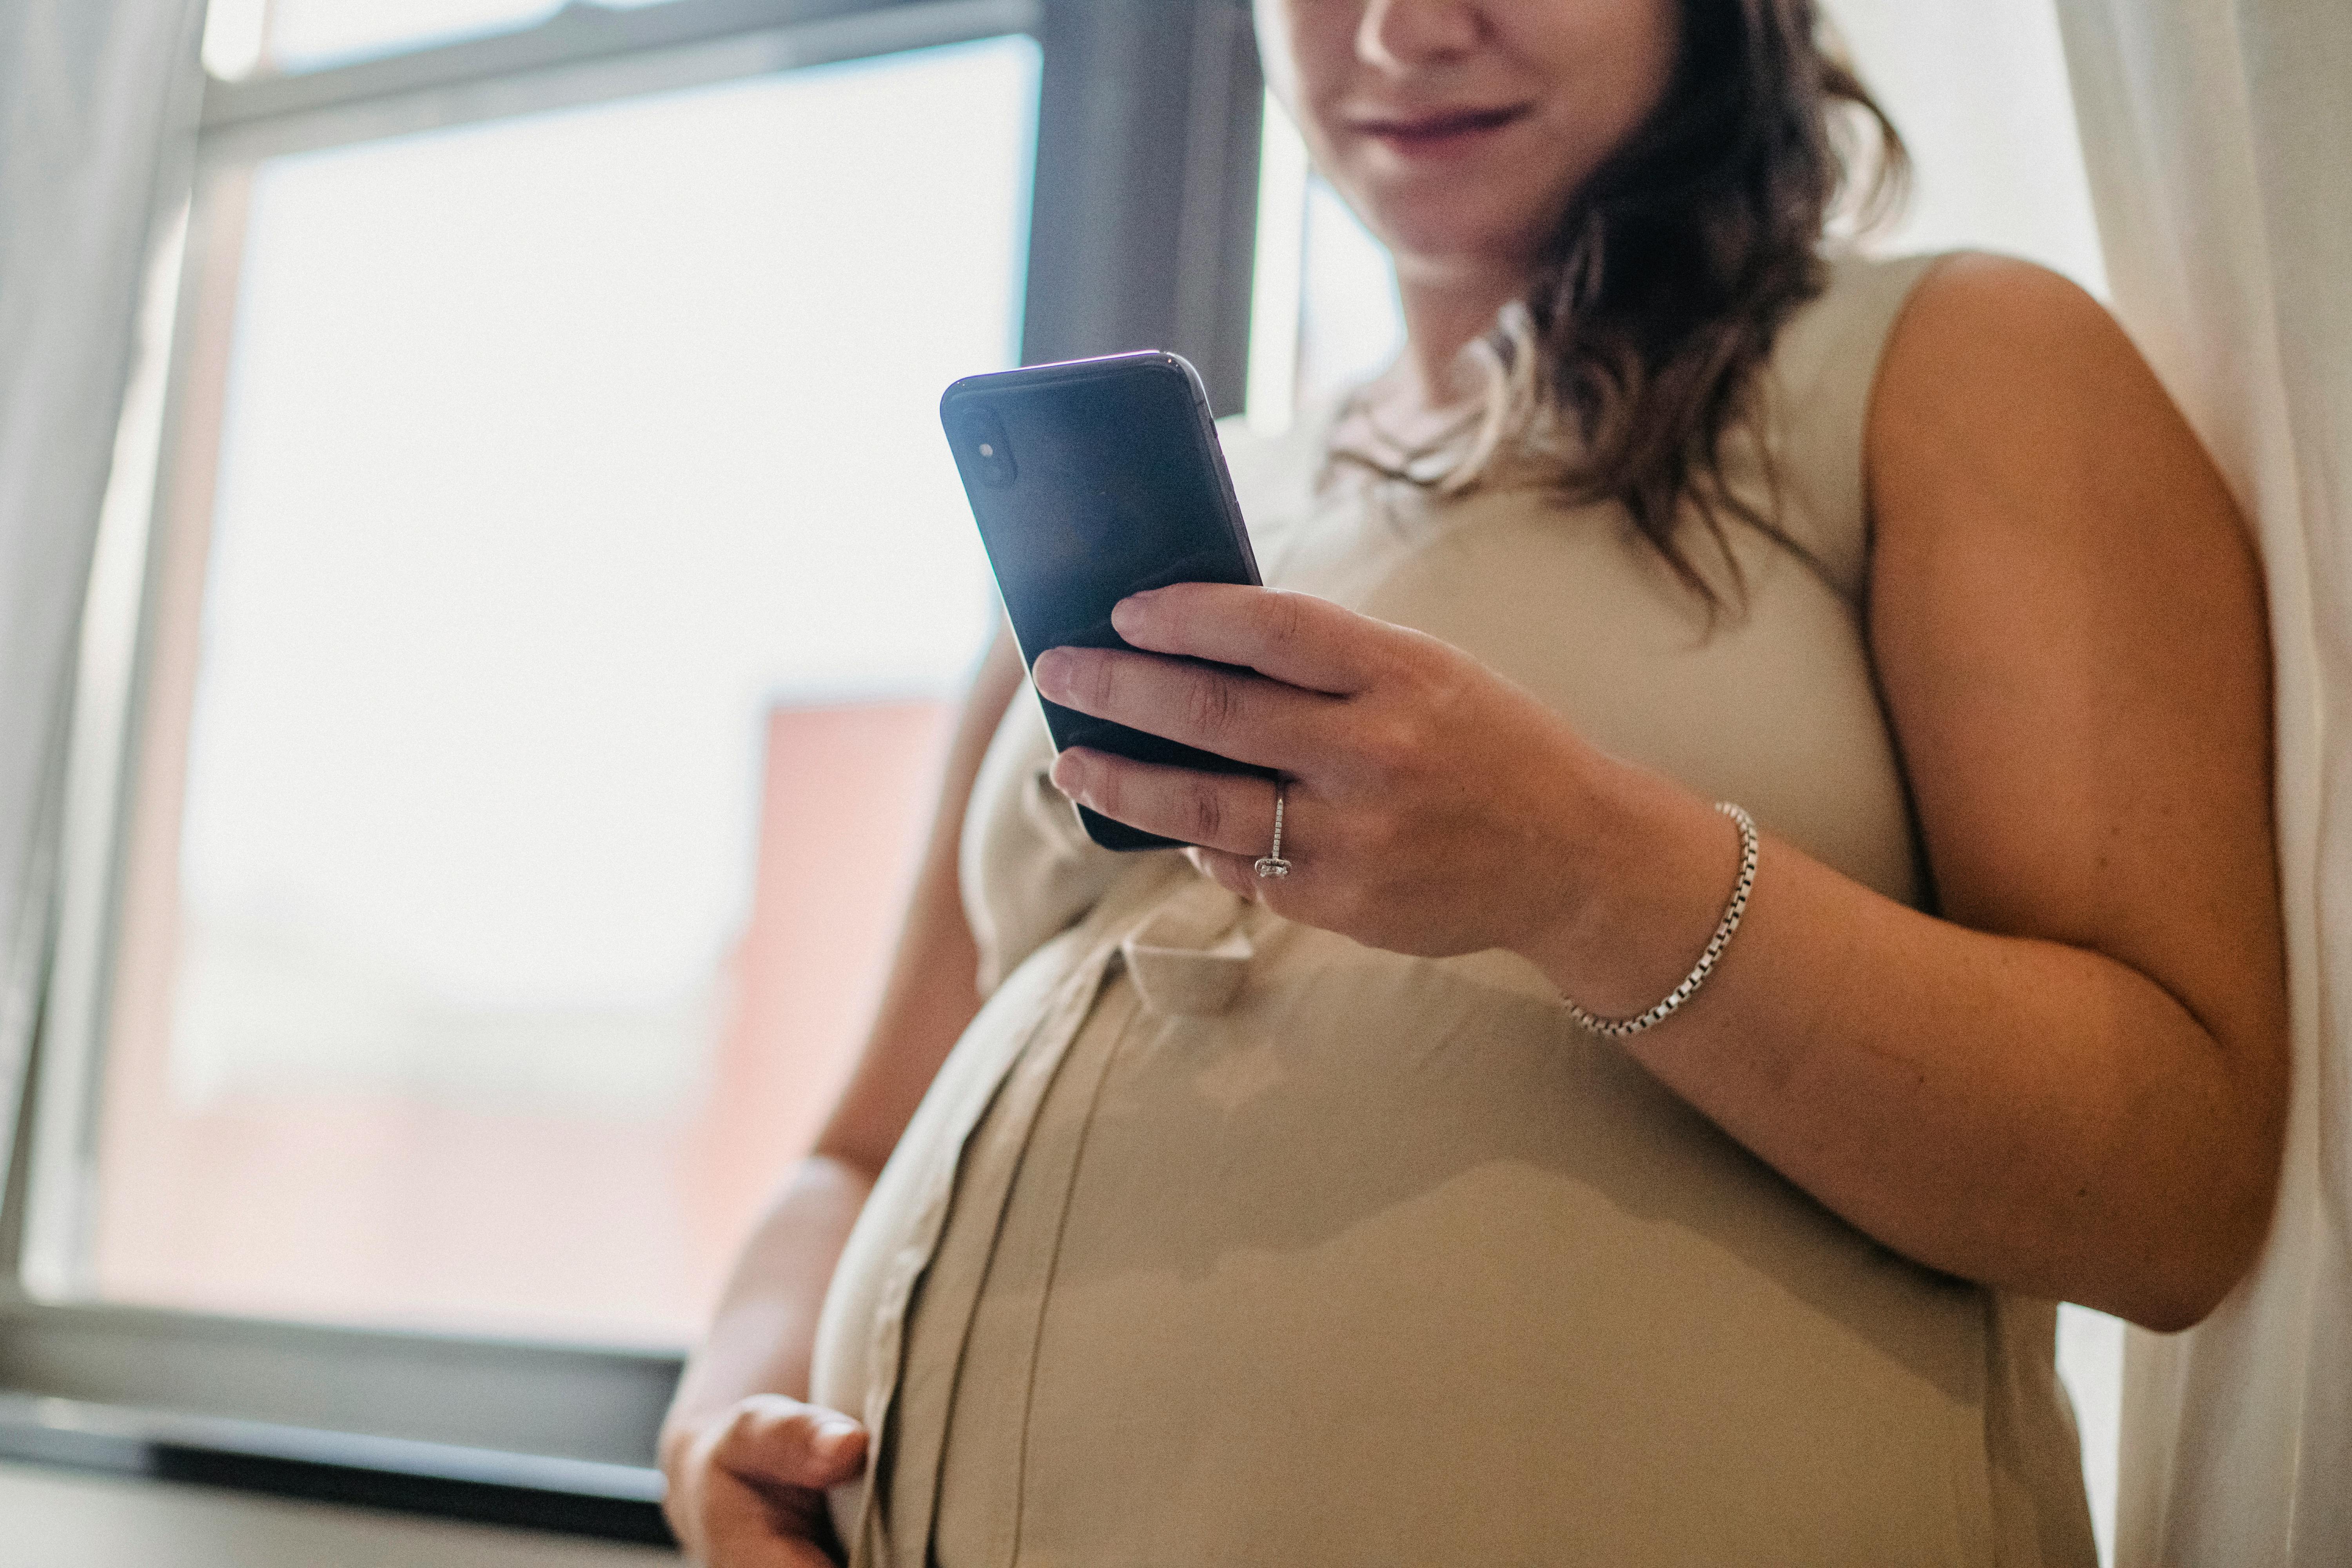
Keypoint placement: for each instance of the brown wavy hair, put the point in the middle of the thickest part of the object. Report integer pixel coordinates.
(1634, 355)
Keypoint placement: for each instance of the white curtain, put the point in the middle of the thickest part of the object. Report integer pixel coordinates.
(2218, 139)
(97, 98)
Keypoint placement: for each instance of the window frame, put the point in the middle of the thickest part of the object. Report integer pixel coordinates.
(1144, 201)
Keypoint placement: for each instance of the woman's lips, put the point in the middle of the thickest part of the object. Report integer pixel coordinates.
(1437, 133)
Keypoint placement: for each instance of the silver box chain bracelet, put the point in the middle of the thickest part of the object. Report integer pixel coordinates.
(1619, 1028)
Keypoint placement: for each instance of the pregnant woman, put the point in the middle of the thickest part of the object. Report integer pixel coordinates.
(1774, 890)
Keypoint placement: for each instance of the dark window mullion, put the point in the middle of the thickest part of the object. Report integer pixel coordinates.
(1142, 231)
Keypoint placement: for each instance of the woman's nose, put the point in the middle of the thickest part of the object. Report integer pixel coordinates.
(1402, 35)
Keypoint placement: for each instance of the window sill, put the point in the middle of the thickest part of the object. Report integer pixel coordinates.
(571, 1497)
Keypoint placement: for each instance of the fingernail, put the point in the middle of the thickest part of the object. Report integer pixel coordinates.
(1123, 614)
(834, 1434)
(1052, 672)
(1069, 775)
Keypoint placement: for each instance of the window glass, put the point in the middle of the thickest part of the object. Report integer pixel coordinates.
(1349, 324)
(1325, 313)
(541, 724)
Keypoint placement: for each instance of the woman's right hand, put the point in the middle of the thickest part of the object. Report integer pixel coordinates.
(747, 1482)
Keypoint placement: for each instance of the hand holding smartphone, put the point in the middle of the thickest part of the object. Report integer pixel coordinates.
(1091, 481)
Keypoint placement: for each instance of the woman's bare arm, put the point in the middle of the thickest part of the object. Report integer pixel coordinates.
(765, 1326)
(2075, 1082)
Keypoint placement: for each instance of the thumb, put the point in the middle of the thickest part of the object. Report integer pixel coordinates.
(779, 1440)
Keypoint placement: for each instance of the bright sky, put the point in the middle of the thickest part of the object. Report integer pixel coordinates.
(557, 449)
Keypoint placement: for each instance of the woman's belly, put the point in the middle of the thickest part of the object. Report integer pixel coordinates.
(1307, 1254)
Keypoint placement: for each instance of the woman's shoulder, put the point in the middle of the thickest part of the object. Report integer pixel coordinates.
(1998, 363)
(1987, 342)
(1868, 301)
(2006, 296)
(1838, 354)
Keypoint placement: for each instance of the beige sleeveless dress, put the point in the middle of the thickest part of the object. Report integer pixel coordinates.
(1224, 1240)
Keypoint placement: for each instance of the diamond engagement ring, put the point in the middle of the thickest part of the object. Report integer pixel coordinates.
(1272, 864)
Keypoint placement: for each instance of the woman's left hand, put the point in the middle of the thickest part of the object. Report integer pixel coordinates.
(1431, 807)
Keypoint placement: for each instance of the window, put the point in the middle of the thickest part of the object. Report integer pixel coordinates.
(502, 744)
(1327, 315)
(580, 545)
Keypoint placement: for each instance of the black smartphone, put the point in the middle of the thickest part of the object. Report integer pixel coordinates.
(1092, 480)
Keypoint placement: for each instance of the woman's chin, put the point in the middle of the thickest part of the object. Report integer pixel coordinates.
(1438, 251)
(1437, 229)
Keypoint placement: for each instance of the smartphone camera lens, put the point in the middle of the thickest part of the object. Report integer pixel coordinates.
(988, 456)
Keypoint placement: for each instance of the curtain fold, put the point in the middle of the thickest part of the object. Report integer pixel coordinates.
(98, 99)
(2218, 135)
